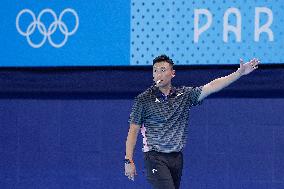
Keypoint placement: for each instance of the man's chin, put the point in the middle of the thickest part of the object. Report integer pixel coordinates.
(161, 85)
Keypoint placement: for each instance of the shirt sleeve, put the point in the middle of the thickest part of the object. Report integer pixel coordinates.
(194, 95)
(136, 115)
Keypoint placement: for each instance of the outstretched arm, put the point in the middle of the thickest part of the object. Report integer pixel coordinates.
(220, 83)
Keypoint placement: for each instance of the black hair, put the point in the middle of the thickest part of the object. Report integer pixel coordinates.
(163, 58)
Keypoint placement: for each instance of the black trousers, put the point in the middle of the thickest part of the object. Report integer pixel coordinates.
(163, 170)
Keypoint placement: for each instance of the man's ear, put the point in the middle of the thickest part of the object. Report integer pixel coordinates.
(174, 73)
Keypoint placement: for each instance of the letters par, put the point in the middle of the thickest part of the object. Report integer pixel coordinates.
(235, 29)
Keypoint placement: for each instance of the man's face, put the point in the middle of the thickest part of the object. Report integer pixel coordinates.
(163, 71)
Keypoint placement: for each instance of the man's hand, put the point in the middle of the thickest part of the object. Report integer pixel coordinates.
(246, 68)
(130, 170)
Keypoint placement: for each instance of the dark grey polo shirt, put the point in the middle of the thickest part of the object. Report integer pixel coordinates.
(164, 120)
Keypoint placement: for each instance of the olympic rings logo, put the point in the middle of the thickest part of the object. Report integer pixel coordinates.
(47, 31)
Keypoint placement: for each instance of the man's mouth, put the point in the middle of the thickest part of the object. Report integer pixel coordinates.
(159, 81)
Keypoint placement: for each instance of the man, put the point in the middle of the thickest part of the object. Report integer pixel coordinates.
(162, 113)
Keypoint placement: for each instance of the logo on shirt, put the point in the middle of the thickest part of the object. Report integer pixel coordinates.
(154, 170)
(179, 94)
(157, 100)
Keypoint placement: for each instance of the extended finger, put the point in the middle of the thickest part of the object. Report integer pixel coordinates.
(241, 61)
(131, 177)
(256, 61)
(254, 64)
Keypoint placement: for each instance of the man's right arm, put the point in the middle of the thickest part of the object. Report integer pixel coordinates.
(130, 169)
(131, 140)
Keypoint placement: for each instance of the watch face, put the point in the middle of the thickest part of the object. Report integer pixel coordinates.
(127, 161)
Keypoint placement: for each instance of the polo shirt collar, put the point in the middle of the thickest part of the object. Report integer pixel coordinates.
(159, 94)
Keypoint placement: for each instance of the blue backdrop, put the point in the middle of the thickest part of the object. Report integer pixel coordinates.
(96, 33)
(101, 38)
(79, 144)
(207, 32)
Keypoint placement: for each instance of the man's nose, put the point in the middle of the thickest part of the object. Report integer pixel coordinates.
(158, 73)
(157, 76)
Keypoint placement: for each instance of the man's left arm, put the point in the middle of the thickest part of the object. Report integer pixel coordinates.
(220, 83)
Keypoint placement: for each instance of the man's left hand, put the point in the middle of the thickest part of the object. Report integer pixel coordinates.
(248, 67)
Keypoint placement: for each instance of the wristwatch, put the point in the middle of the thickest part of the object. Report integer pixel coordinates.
(128, 161)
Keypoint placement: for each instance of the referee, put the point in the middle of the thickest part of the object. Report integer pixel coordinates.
(162, 114)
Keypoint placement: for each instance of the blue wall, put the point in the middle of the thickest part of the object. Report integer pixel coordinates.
(133, 32)
(102, 35)
(233, 143)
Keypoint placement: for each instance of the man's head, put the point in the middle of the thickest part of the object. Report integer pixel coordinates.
(163, 70)
(163, 58)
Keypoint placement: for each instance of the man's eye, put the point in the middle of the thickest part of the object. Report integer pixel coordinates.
(155, 70)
